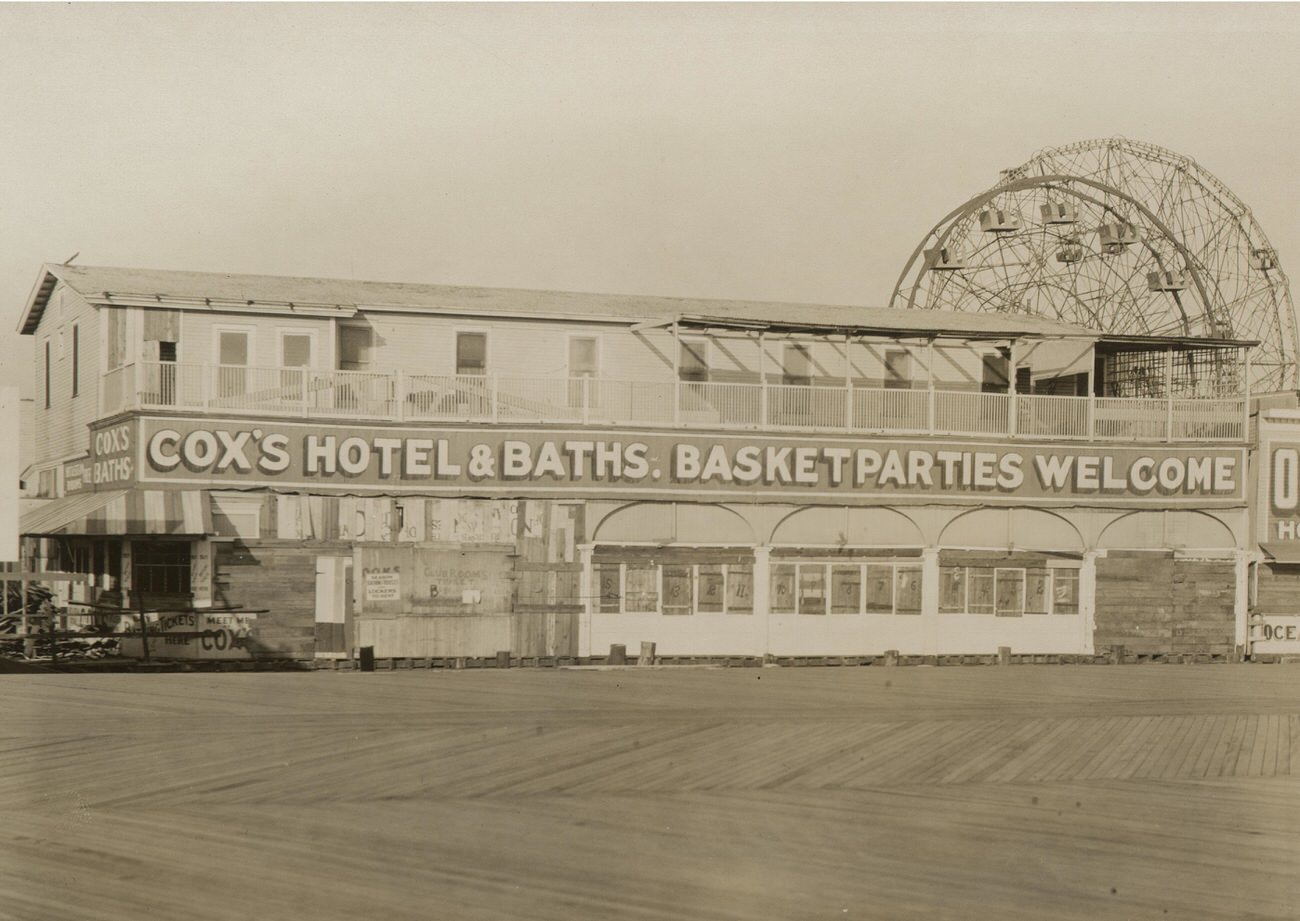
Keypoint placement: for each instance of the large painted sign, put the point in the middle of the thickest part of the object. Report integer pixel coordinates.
(1280, 492)
(615, 464)
(1275, 633)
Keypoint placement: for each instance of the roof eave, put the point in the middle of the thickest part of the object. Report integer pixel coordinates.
(37, 300)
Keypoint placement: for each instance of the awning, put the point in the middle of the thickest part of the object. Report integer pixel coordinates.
(123, 512)
(1283, 551)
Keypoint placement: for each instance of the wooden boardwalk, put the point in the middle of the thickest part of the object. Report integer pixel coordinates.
(964, 793)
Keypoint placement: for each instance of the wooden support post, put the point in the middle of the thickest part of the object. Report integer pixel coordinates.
(929, 385)
(677, 373)
(1013, 408)
(1169, 395)
(848, 386)
(1245, 391)
(762, 379)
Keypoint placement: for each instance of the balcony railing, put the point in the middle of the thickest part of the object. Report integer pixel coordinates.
(407, 397)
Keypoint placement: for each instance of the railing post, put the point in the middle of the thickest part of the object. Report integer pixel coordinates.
(677, 401)
(848, 406)
(1169, 417)
(1013, 412)
(1092, 418)
(494, 394)
(399, 394)
(762, 400)
(138, 375)
(929, 410)
(586, 399)
(305, 372)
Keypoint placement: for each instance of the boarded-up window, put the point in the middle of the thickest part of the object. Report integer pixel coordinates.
(980, 587)
(677, 589)
(607, 583)
(1009, 589)
(1065, 591)
(471, 353)
(880, 589)
(740, 589)
(782, 600)
(952, 590)
(907, 590)
(641, 594)
(1036, 600)
(812, 589)
(846, 589)
(709, 589)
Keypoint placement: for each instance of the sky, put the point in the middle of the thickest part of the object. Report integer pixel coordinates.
(793, 152)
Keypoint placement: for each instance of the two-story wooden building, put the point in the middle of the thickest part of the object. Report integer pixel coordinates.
(450, 471)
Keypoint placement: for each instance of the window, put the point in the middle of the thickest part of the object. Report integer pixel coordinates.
(76, 359)
(677, 590)
(997, 370)
(980, 587)
(1037, 600)
(898, 369)
(796, 366)
(471, 353)
(355, 343)
(693, 360)
(232, 357)
(160, 566)
(583, 356)
(47, 373)
(817, 588)
(232, 347)
(295, 350)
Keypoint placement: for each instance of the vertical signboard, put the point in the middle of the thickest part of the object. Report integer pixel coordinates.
(9, 448)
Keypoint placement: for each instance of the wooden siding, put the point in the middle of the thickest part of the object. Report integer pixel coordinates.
(1150, 602)
(277, 576)
(1277, 589)
(61, 431)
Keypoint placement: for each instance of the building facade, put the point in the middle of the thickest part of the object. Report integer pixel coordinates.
(296, 468)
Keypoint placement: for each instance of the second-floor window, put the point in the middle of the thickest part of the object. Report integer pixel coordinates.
(898, 369)
(354, 348)
(583, 356)
(693, 362)
(471, 353)
(797, 366)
